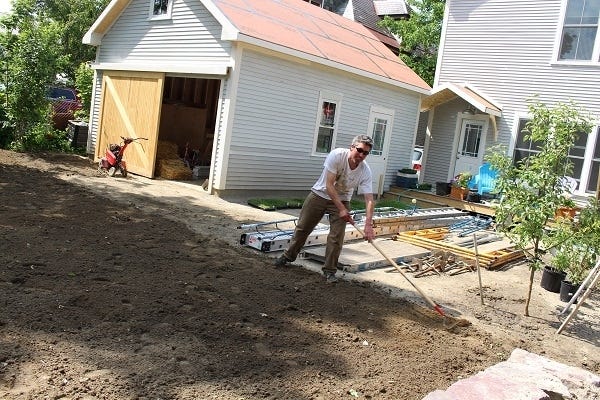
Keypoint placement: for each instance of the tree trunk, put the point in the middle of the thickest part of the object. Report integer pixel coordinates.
(529, 292)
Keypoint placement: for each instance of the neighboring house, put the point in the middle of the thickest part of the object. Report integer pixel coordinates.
(265, 88)
(494, 56)
(369, 13)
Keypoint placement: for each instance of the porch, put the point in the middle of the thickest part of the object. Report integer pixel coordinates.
(428, 199)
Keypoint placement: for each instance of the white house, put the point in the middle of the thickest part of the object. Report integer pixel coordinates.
(264, 88)
(494, 56)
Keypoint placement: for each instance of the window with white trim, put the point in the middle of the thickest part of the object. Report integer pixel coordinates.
(335, 6)
(585, 163)
(161, 9)
(579, 40)
(327, 116)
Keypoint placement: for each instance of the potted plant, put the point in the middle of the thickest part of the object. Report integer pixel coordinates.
(576, 247)
(555, 273)
(566, 209)
(459, 186)
(407, 178)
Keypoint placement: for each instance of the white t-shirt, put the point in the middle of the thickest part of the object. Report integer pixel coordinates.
(346, 179)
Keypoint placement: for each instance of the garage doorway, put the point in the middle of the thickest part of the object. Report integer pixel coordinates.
(187, 124)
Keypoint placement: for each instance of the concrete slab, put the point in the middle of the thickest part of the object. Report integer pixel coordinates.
(362, 256)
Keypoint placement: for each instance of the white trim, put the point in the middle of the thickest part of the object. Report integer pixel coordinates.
(91, 36)
(224, 133)
(457, 90)
(442, 45)
(198, 68)
(229, 31)
(160, 17)
(588, 159)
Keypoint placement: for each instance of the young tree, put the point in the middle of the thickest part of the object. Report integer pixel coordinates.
(531, 189)
(420, 36)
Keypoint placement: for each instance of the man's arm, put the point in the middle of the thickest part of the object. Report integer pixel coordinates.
(370, 207)
(333, 194)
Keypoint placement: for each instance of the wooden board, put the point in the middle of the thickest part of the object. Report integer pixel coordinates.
(362, 256)
(130, 107)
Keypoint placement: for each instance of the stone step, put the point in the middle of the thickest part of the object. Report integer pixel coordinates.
(524, 376)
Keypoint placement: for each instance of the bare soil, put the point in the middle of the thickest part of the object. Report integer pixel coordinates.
(129, 288)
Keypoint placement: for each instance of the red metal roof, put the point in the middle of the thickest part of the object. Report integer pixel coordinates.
(300, 26)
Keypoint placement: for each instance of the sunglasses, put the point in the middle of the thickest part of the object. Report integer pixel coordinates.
(362, 151)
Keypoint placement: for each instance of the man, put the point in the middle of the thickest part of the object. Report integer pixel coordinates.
(344, 170)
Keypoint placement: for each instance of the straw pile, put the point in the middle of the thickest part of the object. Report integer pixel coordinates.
(168, 163)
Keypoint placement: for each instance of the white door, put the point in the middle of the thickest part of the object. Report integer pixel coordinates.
(471, 145)
(380, 128)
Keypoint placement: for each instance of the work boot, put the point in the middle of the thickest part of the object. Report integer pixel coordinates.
(330, 277)
(281, 261)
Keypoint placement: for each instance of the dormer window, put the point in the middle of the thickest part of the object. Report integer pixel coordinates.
(335, 6)
(161, 9)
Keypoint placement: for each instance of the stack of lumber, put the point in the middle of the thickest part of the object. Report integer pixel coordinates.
(439, 238)
(168, 163)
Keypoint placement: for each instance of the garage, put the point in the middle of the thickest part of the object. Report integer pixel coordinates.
(176, 114)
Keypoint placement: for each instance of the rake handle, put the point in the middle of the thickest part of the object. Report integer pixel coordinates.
(431, 303)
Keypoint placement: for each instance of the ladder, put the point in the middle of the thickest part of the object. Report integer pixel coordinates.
(270, 236)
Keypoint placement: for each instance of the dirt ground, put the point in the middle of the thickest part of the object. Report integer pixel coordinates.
(115, 288)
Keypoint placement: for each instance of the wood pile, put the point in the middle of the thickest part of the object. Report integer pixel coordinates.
(492, 257)
(438, 262)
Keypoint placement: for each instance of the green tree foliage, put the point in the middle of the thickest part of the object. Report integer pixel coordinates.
(75, 18)
(531, 189)
(31, 59)
(420, 36)
(84, 82)
(40, 41)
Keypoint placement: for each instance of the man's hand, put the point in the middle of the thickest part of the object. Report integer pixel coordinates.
(345, 215)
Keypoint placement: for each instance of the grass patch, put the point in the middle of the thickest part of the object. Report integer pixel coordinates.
(279, 204)
(360, 205)
(275, 204)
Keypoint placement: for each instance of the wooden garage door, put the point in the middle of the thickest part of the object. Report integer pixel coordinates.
(130, 107)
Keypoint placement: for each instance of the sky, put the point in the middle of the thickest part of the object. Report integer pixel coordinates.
(4, 6)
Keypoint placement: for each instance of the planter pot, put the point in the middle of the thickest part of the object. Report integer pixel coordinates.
(565, 212)
(474, 197)
(552, 279)
(458, 193)
(567, 290)
(442, 188)
(408, 181)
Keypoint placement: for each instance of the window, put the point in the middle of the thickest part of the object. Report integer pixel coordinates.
(580, 31)
(326, 123)
(585, 163)
(160, 9)
(524, 148)
(472, 139)
(336, 6)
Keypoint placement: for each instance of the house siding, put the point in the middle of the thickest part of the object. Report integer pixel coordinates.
(508, 48)
(190, 37)
(276, 108)
(440, 151)
(505, 51)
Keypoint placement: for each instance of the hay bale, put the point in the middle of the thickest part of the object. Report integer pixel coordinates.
(174, 169)
(166, 150)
